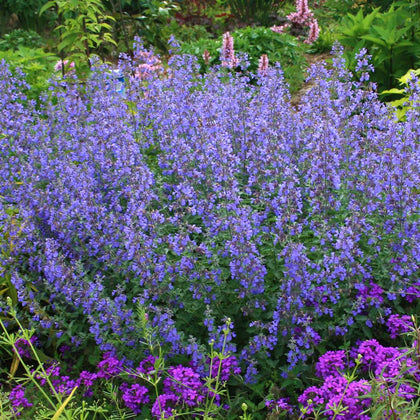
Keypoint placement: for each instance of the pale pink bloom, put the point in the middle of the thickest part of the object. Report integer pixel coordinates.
(206, 56)
(280, 29)
(151, 65)
(313, 32)
(263, 65)
(228, 53)
(67, 66)
(303, 14)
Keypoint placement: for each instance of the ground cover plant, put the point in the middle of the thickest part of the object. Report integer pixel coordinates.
(205, 247)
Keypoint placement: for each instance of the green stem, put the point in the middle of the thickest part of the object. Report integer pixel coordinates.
(28, 372)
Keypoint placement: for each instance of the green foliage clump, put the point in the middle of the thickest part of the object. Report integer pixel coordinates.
(149, 19)
(20, 37)
(83, 27)
(35, 63)
(27, 13)
(253, 10)
(392, 38)
(403, 103)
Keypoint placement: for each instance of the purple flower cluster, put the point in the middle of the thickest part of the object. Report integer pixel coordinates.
(18, 400)
(388, 365)
(279, 405)
(23, 346)
(228, 367)
(183, 388)
(109, 367)
(331, 363)
(398, 324)
(337, 390)
(134, 396)
(185, 384)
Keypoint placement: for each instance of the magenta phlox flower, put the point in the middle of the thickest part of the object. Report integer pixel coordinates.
(186, 384)
(23, 347)
(51, 371)
(164, 405)
(370, 350)
(64, 385)
(87, 378)
(349, 399)
(110, 366)
(313, 394)
(331, 363)
(229, 366)
(279, 405)
(147, 365)
(372, 294)
(336, 390)
(18, 400)
(413, 292)
(399, 324)
(134, 396)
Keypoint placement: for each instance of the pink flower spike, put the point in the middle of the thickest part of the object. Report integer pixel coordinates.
(206, 57)
(228, 53)
(303, 15)
(280, 29)
(313, 32)
(67, 65)
(263, 65)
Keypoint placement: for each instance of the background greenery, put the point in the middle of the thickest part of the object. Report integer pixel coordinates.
(390, 31)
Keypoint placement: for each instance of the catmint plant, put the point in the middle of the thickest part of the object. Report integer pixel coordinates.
(215, 205)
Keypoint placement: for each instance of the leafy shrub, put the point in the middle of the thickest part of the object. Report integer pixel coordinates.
(404, 102)
(35, 63)
(210, 201)
(20, 37)
(27, 12)
(82, 27)
(392, 38)
(147, 18)
(253, 10)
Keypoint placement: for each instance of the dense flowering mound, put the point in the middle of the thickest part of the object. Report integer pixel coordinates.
(206, 197)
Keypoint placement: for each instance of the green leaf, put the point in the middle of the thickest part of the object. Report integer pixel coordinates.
(375, 40)
(47, 6)
(393, 90)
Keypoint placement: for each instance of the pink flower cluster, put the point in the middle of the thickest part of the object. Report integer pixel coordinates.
(68, 66)
(228, 53)
(313, 32)
(303, 17)
(150, 65)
